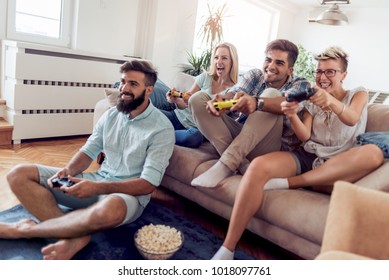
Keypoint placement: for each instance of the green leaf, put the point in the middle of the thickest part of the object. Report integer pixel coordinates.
(305, 64)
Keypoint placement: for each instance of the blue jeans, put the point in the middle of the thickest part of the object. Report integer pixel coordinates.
(191, 137)
(381, 139)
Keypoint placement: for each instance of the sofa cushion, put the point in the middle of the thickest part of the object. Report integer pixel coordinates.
(183, 82)
(112, 95)
(377, 116)
(276, 207)
(185, 161)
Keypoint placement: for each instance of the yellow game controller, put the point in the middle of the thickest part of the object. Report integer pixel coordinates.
(224, 104)
(177, 93)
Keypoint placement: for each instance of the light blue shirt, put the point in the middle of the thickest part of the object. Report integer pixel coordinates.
(134, 148)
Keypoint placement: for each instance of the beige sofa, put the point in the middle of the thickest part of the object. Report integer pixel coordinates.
(292, 219)
(357, 224)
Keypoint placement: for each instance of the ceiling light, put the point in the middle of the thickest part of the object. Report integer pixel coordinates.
(333, 15)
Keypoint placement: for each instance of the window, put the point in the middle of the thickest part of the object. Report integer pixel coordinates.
(40, 21)
(247, 24)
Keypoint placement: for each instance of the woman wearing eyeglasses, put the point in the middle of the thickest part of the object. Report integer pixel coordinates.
(332, 119)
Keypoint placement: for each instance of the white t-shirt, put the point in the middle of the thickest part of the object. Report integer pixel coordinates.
(329, 135)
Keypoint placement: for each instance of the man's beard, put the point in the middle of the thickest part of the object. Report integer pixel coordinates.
(127, 106)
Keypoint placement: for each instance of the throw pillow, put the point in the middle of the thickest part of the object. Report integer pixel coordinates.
(112, 95)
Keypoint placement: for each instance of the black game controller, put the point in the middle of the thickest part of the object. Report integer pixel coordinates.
(59, 182)
(296, 95)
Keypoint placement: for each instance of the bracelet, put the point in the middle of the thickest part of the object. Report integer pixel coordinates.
(344, 108)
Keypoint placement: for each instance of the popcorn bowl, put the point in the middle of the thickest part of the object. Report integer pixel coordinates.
(158, 242)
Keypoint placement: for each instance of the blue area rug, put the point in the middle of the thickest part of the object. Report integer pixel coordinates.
(118, 243)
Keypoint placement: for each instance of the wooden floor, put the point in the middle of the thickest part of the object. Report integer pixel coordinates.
(57, 152)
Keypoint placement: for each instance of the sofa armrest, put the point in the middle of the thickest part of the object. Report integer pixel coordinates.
(376, 180)
(357, 222)
(340, 255)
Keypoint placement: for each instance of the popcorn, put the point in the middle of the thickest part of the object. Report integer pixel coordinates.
(158, 239)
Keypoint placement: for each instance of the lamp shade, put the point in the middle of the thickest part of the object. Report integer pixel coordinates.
(332, 16)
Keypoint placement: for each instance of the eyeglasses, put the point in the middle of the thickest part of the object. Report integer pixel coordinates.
(329, 72)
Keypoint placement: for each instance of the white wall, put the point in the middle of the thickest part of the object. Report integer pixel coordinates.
(102, 26)
(365, 39)
(3, 18)
(159, 30)
(107, 26)
(174, 35)
(163, 30)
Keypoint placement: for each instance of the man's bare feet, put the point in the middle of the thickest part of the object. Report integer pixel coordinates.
(64, 249)
(15, 230)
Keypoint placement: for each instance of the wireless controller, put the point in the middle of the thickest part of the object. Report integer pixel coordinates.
(224, 104)
(296, 95)
(177, 93)
(59, 182)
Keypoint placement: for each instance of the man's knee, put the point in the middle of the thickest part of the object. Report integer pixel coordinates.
(265, 117)
(108, 213)
(198, 101)
(21, 173)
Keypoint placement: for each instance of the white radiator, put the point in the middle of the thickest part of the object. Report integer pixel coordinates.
(52, 92)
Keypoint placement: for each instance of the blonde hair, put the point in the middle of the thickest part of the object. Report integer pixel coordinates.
(234, 59)
(335, 53)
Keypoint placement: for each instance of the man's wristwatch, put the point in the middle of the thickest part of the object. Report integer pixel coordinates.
(260, 103)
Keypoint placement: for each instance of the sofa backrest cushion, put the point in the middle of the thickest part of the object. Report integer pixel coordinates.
(378, 117)
(183, 82)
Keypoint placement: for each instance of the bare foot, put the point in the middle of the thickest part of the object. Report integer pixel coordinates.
(64, 249)
(15, 230)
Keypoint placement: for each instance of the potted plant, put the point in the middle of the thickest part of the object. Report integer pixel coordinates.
(211, 33)
(305, 65)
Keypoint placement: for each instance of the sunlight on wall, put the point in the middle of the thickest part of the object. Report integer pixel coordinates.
(246, 25)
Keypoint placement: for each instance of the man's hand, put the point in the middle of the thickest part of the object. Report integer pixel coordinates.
(211, 109)
(63, 173)
(247, 104)
(82, 188)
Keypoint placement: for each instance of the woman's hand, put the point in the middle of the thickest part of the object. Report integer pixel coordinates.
(170, 97)
(302, 128)
(322, 98)
(290, 109)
